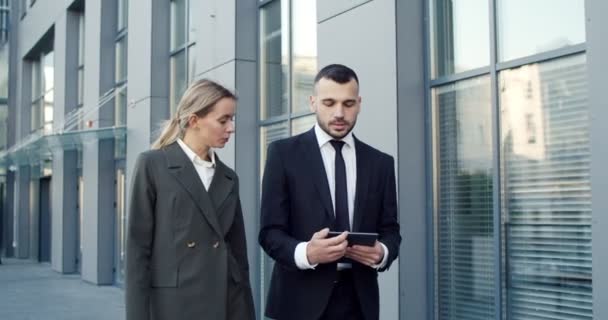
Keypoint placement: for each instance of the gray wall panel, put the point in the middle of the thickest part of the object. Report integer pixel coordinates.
(215, 27)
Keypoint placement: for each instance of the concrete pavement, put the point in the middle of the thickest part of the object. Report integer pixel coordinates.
(32, 291)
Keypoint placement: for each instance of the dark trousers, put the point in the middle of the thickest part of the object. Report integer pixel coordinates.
(343, 303)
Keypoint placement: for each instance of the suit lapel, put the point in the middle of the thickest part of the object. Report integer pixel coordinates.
(363, 177)
(221, 185)
(315, 161)
(183, 170)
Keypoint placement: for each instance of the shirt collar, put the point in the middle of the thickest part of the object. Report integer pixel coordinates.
(195, 158)
(323, 138)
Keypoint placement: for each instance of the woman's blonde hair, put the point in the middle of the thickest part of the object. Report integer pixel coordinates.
(199, 99)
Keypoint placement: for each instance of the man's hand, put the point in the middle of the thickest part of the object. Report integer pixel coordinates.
(322, 250)
(366, 255)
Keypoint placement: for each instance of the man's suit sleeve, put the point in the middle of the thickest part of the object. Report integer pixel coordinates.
(274, 218)
(139, 242)
(388, 225)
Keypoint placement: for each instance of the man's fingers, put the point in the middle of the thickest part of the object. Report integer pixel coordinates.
(337, 239)
(321, 234)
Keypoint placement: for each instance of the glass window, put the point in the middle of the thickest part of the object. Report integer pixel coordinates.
(465, 255)
(178, 24)
(123, 14)
(275, 66)
(81, 37)
(49, 92)
(304, 55)
(178, 75)
(183, 55)
(120, 105)
(303, 124)
(121, 223)
(121, 60)
(460, 32)
(530, 27)
(547, 192)
(42, 93)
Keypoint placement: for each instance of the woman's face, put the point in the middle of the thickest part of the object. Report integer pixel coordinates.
(214, 129)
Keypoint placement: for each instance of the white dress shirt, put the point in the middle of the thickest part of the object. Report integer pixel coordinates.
(328, 154)
(204, 168)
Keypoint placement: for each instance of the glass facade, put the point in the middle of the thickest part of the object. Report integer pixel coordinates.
(183, 44)
(42, 93)
(530, 27)
(512, 214)
(546, 189)
(464, 217)
(460, 36)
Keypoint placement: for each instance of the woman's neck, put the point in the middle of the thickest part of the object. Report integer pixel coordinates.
(201, 150)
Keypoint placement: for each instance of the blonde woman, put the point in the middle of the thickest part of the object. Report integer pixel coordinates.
(186, 250)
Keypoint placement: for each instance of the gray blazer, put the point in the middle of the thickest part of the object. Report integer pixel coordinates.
(186, 249)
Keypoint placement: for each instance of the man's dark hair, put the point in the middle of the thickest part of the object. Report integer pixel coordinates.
(338, 73)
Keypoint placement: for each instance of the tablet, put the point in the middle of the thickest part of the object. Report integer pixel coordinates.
(357, 238)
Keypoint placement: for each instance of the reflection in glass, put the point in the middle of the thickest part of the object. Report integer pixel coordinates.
(121, 219)
(178, 24)
(530, 27)
(460, 32)
(35, 117)
(546, 189)
(268, 134)
(303, 124)
(178, 78)
(49, 71)
(36, 79)
(80, 86)
(274, 51)
(304, 55)
(120, 105)
(123, 14)
(121, 60)
(81, 38)
(465, 257)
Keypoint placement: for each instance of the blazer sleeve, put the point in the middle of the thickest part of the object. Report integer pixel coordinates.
(388, 224)
(139, 241)
(274, 216)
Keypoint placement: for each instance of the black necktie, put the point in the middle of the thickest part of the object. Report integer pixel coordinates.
(341, 196)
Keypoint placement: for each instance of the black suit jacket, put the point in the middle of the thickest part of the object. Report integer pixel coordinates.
(186, 249)
(296, 202)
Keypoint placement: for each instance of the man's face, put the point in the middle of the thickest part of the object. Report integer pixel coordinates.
(336, 105)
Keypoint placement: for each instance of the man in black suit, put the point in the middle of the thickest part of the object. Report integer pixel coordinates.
(326, 179)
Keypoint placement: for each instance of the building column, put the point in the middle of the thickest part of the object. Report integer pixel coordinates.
(597, 51)
(98, 155)
(64, 211)
(415, 292)
(148, 77)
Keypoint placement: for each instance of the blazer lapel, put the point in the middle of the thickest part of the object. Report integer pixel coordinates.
(183, 170)
(315, 161)
(221, 185)
(363, 177)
